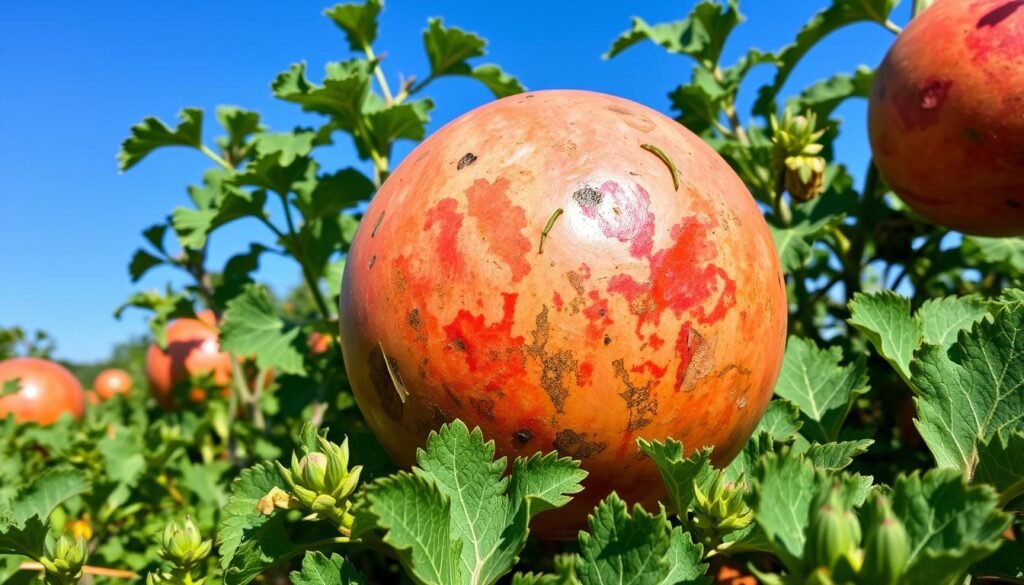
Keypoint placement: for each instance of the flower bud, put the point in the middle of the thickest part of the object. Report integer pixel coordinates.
(721, 510)
(831, 534)
(182, 544)
(886, 548)
(69, 555)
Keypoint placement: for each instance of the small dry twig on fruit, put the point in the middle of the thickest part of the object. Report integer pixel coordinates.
(551, 223)
(665, 159)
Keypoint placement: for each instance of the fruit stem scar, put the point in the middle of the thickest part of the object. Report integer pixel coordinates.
(665, 159)
(551, 223)
(376, 225)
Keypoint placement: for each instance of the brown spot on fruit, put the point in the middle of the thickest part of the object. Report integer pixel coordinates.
(484, 407)
(1013, 204)
(641, 405)
(414, 320)
(577, 445)
(587, 197)
(633, 120)
(523, 435)
(556, 369)
(377, 223)
(387, 382)
(696, 358)
(373, 260)
(466, 160)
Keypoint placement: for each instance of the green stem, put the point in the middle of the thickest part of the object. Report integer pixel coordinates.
(379, 74)
(892, 27)
(216, 157)
(919, 7)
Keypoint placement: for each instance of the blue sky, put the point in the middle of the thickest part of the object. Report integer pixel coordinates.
(77, 75)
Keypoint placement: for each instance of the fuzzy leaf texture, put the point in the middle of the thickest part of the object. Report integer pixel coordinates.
(822, 388)
(972, 391)
(950, 525)
(319, 569)
(252, 328)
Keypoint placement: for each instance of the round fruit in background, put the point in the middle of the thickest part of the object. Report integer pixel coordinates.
(568, 271)
(46, 390)
(110, 382)
(192, 349)
(946, 116)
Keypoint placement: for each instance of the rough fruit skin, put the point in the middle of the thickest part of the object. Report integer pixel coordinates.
(946, 116)
(651, 312)
(110, 382)
(46, 391)
(192, 349)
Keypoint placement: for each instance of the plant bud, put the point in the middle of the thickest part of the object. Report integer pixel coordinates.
(886, 549)
(831, 534)
(69, 555)
(312, 471)
(183, 545)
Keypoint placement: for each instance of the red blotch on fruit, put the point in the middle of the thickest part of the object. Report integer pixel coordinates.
(656, 371)
(501, 224)
(448, 223)
(491, 350)
(598, 315)
(558, 302)
(585, 374)
(918, 108)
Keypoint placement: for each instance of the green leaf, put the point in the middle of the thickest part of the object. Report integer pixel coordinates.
(837, 455)
(407, 120)
(334, 193)
(164, 306)
(288, 146)
(1007, 253)
(973, 390)
(781, 420)
(1001, 464)
(884, 319)
(820, 386)
(342, 95)
(151, 134)
(794, 242)
(141, 263)
(359, 21)
(449, 48)
(679, 473)
(415, 517)
(249, 542)
(48, 491)
(943, 319)
(623, 547)
(27, 538)
(319, 569)
(700, 35)
(825, 96)
(240, 125)
(251, 328)
(193, 226)
(491, 526)
(237, 273)
(950, 525)
(839, 14)
(154, 234)
(685, 560)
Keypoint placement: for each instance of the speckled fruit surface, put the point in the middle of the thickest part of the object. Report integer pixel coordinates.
(652, 312)
(946, 116)
(46, 390)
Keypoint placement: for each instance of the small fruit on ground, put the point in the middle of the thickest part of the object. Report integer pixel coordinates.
(656, 307)
(110, 382)
(945, 117)
(46, 390)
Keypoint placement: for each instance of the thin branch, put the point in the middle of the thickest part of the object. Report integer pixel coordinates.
(87, 569)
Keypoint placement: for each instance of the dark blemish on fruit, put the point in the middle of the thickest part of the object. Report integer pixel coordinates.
(607, 340)
(373, 260)
(576, 444)
(665, 159)
(587, 197)
(523, 435)
(633, 120)
(1013, 204)
(414, 320)
(974, 136)
(466, 160)
(376, 225)
(484, 407)
(696, 358)
(634, 174)
(933, 93)
(387, 382)
(997, 15)
(457, 344)
(556, 369)
(547, 229)
(641, 405)
(451, 395)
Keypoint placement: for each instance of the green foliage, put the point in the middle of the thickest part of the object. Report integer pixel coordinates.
(833, 486)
